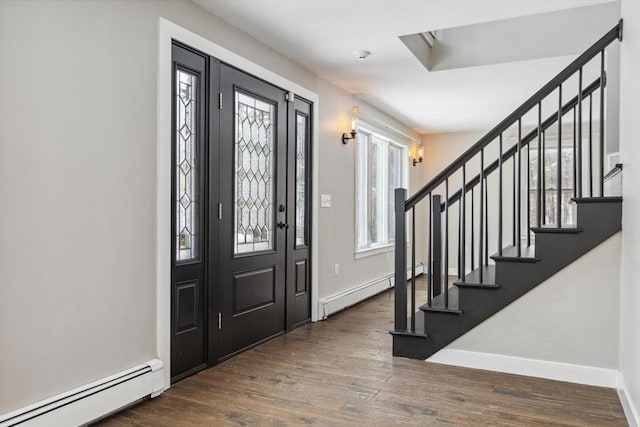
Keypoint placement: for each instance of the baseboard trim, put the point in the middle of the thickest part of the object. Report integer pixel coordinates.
(92, 401)
(559, 371)
(341, 300)
(630, 410)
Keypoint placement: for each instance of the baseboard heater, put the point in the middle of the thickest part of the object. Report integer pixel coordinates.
(341, 300)
(91, 401)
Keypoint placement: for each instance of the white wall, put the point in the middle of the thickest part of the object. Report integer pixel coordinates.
(630, 154)
(78, 186)
(336, 237)
(563, 318)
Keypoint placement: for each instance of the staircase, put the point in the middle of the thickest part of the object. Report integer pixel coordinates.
(565, 212)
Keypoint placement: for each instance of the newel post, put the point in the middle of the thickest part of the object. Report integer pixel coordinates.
(400, 289)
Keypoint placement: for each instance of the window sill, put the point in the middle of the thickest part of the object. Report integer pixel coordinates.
(364, 253)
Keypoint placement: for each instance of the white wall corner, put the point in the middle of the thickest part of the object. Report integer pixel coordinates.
(630, 410)
(580, 374)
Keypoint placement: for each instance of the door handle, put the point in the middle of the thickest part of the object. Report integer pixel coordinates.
(282, 225)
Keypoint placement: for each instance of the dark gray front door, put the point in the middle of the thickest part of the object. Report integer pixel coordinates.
(253, 168)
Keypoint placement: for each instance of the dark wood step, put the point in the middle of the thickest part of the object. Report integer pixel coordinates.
(472, 280)
(609, 199)
(510, 254)
(419, 330)
(556, 230)
(438, 304)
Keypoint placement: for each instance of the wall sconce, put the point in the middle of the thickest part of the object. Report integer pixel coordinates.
(354, 126)
(419, 159)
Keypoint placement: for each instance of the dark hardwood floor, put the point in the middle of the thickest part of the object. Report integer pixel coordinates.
(341, 372)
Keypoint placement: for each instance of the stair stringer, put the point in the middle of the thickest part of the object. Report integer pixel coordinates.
(599, 219)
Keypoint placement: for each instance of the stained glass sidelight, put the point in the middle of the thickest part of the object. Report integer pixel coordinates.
(186, 166)
(254, 164)
(301, 185)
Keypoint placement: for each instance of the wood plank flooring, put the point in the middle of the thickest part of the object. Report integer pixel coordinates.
(340, 372)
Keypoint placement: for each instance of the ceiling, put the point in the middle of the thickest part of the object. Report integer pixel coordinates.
(322, 35)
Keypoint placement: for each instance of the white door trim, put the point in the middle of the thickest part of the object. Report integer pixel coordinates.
(168, 31)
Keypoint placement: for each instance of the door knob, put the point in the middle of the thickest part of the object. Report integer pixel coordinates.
(282, 225)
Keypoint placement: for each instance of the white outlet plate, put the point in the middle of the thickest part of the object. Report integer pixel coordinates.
(325, 200)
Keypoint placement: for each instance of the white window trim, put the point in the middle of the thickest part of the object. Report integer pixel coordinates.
(379, 134)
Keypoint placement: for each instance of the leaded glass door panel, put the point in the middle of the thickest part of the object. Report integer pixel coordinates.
(253, 141)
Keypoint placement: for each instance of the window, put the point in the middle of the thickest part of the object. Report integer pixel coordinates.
(381, 166)
(551, 186)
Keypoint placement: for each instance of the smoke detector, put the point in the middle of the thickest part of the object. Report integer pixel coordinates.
(361, 55)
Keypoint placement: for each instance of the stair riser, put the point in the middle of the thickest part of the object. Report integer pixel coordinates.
(565, 248)
(599, 215)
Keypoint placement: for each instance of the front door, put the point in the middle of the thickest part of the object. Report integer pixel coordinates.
(240, 211)
(253, 228)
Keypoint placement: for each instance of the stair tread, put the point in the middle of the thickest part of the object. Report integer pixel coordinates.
(608, 199)
(553, 229)
(419, 330)
(510, 254)
(472, 280)
(437, 304)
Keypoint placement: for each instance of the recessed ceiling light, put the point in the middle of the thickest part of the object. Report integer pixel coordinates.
(361, 55)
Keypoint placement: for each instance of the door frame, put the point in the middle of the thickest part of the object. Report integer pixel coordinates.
(168, 31)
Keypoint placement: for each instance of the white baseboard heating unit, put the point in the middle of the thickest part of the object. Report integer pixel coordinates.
(91, 401)
(341, 300)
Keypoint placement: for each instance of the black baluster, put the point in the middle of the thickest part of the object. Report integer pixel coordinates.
(591, 144)
(500, 198)
(543, 181)
(528, 171)
(486, 221)
(429, 249)
(513, 204)
(463, 223)
(459, 238)
(579, 173)
(472, 246)
(559, 165)
(575, 157)
(413, 269)
(446, 243)
(540, 183)
(518, 189)
(481, 234)
(603, 80)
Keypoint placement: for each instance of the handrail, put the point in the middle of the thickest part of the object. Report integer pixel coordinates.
(547, 123)
(614, 171)
(562, 76)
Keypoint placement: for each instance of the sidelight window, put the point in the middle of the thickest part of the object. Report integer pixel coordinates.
(186, 166)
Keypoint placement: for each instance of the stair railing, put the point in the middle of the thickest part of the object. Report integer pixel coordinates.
(439, 243)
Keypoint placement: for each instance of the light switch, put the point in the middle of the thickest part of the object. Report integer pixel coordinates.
(325, 200)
